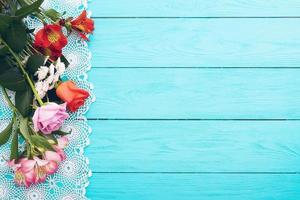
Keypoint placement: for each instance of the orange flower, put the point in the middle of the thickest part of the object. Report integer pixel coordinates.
(83, 25)
(72, 95)
(50, 40)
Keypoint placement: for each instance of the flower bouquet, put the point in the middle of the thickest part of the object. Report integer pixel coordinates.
(31, 66)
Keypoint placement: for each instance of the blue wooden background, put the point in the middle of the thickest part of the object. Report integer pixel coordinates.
(196, 99)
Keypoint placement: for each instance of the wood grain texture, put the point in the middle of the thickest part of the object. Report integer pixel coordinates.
(196, 93)
(196, 43)
(187, 75)
(194, 187)
(194, 8)
(194, 146)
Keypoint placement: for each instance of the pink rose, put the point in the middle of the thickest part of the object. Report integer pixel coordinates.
(49, 117)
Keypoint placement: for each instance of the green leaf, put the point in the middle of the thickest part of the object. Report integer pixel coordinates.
(13, 6)
(29, 9)
(52, 14)
(22, 3)
(14, 154)
(23, 101)
(34, 62)
(4, 64)
(24, 129)
(5, 21)
(5, 134)
(3, 50)
(64, 60)
(12, 79)
(40, 141)
(61, 133)
(15, 36)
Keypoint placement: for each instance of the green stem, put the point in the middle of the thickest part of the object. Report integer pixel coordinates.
(20, 65)
(37, 96)
(32, 48)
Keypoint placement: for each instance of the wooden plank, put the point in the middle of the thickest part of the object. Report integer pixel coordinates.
(196, 93)
(194, 146)
(195, 8)
(193, 187)
(196, 43)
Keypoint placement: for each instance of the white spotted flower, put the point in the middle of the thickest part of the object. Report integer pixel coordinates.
(42, 88)
(42, 72)
(60, 67)
(48, 76)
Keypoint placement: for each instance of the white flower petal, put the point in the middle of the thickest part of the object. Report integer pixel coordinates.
(42, 72)
(61, 69)
(39, 86)
(51, 69)
(56, 77)
(45, 87)
(50, 79)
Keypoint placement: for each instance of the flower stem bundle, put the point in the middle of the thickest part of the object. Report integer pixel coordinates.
(31, 66)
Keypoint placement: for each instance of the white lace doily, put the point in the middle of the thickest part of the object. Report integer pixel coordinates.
(70, 181)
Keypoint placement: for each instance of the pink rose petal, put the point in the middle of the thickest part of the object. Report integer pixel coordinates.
(49, 117)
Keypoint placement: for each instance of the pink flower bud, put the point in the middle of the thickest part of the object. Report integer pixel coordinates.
(53, 156)
(62, 142)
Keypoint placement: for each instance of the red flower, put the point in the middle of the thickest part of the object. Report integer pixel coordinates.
(50, 40)
(72, 95)
(53, 53)
(83, 25)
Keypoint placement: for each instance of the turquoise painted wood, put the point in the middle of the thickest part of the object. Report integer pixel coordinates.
(195, 8)
(194, 146)
(196, 43)
(195, 100)
(194, 187)
(196, 93)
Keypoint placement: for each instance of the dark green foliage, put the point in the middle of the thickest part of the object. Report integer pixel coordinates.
(14, 154)
(28, 9)
(52, 14)
(12, 79)
(61, 133)
(24, 101)
(15, 36)
(41, 142)
(34, 62)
